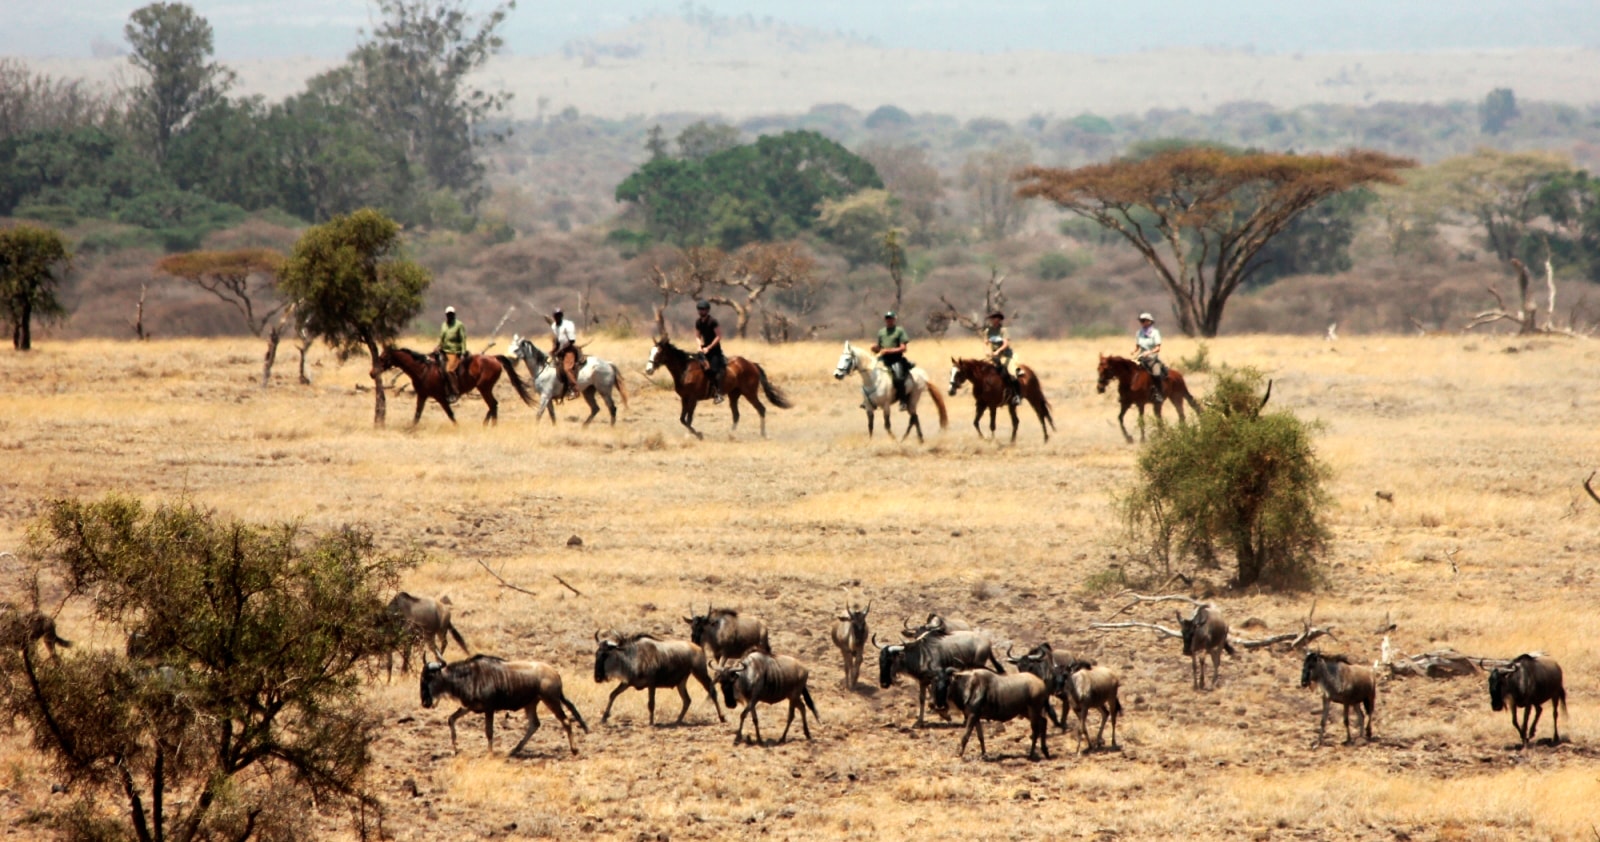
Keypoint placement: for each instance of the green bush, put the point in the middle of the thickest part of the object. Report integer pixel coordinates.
(1199, 363)
(1056, 265)
(1238, 481)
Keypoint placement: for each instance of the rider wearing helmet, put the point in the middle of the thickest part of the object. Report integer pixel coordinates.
(891, 350)
(564, 350)
(711, 346)
(453, 345)
(1147, 351)
(1002, 355)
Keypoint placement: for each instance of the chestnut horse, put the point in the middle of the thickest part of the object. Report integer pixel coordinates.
(740, 379)
(427, 379)
(1133, 387)
(989, 392)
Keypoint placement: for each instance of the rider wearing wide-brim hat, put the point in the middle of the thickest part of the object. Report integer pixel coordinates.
(1147, 350)
(1003, 355)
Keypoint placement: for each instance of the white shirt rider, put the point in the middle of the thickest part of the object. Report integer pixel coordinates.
(566, 332)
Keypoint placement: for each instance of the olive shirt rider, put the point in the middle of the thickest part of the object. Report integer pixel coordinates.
(892, 342)
(453, 344)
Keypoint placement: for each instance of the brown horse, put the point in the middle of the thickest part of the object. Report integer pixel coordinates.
(740, 379)
(427, 379)
(1133, 387)
(989, 392)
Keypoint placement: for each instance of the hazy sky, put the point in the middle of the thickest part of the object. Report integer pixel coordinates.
(269, 28)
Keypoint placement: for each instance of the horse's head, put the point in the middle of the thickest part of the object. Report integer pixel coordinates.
(847, 362)
(517, 344)
(957, 375)
(655, 354)
(1107, 371)
(384, 362)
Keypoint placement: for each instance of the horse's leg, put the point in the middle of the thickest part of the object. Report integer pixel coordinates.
(761, 409)
(733, 406)
(594, 407)
(611, 407)
(1122, 422)
(1014, 422)
(493, 415)
(422, 401)
(977, 420)
(872, 419)
(992, 411)
(913, 424)
(686, 417)
(1141, 423)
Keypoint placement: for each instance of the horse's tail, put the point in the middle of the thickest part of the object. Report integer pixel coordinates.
(778, 398)
(1041, 404)
(1183, 393)
(938, 401)
(616, 376)
(510, 366)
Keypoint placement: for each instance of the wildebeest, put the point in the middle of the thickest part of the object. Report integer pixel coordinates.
(923, 658)
(725, 635)
(645, 662)
(767, 679)
(981, 694)
(486, 684)
(1530, 681)
(31, 626)
(427, 619)
(1351, 685)
(1044, 661)
(1206, 632)
(1085, 687)
(850, 635)
(936, 623)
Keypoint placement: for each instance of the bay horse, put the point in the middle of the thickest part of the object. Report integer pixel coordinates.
(740, 379)
(594, 376)
(427, 379)
(1133, 387)
(877, 387)
(989, 392)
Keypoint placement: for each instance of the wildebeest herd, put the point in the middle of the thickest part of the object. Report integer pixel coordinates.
(731, 652)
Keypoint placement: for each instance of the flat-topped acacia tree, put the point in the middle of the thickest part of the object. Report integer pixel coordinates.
(1200, 215)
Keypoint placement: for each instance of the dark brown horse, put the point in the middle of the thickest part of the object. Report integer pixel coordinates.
(740, 379)
(1133, 387)
(427, 379)
(989, 392)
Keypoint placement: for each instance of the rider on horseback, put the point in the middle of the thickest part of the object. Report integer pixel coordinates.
(453, 345)
(564, 350)
(1003, 357)
(1148, 352)
(711, 346)
(891, 351)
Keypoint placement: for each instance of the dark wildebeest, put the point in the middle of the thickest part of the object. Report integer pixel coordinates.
(486, 684)
(1205, 633)
(645, 662)
(1529, 682)
(930, 652)
(936, 623)
(850, 635)
(725, 635)
(1085, 687)
(767, 679)
(1044, 661)
(1351, 685)
(981, 694)
(426, 619)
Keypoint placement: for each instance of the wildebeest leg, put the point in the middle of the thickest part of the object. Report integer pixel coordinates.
(1197, 672)
(683, 692)
(621, 688)
(983, 747)
(1116, 713)
(488, 730)
(1521, 731)
(1322, 728)
(1100, 736)
(1216, 667)
(594, 408)
(704, 678)
(1122, 422)
(532, 712)
(755, 718)
(1555, 721)
(738, 733)
(453, 717)
(1533, 730)
(561, 716)
(972, 723)
(1347, 738)
(793, 703)
(1050, 712)
(651, 704)
(922, 703)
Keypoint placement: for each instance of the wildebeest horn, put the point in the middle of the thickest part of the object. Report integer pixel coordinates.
(905, 623)
(868, 608)
(596, 635)
(875, 640)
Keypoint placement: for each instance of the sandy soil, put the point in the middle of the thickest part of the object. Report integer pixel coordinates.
(1482, 442)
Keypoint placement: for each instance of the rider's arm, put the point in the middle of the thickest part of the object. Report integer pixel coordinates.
(715, 341)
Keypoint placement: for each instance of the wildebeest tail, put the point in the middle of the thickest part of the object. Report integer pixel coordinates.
(616, 376)
(998, 667)
(573, 709)
(805, 696)
(778, 398)
(1227, 646)
(457, 635)
(510, 367)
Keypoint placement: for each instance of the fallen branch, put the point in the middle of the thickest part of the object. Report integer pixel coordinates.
(1296, 640)
(1161, 630)
(504, 583)
(565, 585)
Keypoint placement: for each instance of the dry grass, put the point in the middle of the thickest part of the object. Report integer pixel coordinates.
(1482, 449)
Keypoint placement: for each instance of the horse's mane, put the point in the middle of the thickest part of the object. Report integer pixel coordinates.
(1338, 659)
(415, 356)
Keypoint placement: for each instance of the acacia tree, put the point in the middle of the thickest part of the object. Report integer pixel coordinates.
(757, 269)
(172, 46)
(238, 709)
(33, 261)
(1200, 216)
(352, 288)
(242, 278)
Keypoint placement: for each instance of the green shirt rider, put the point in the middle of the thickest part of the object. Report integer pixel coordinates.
(453, 345)
(1147, 349)
(1003, 355)
(891, 351)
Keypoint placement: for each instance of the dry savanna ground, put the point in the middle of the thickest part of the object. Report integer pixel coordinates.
(1481, 440)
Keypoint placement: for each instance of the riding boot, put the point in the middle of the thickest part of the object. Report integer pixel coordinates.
(716, 390)
(1015, 388)
(1157, 389)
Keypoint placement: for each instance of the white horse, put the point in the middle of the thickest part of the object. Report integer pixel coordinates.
(595, 375)
(877, 389)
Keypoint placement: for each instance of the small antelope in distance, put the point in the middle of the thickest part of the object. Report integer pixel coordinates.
(486, 684)
(766, 679)
(1348, 684)
(646, 662)
(725, 635)
(1531, 680)
(1205, 633)
(850, 635)
(981, 694)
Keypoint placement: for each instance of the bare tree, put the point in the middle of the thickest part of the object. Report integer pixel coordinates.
(994, 299)
(999, 209)
(758, 268)
(688, 275)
